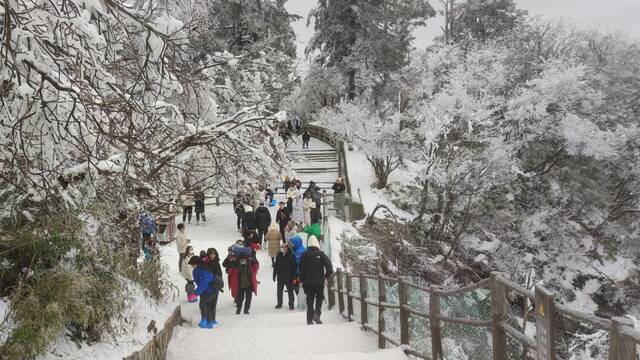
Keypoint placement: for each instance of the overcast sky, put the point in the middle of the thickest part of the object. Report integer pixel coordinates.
(605, 15)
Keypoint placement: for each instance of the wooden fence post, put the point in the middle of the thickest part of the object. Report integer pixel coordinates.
(382, 298)
(324, 204)
(340, 294)
(349, 297)
(498, 310)
(364, 314)
(621, 348)
(331, 294)
(545, 321)
(403, 299)
(434, 324)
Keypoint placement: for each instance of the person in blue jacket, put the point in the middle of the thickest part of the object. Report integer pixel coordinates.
(298, 250)
(207, 291)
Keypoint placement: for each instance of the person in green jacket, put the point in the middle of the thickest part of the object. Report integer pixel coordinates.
(313, 229)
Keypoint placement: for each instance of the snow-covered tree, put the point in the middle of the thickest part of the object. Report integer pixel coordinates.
(106, 106)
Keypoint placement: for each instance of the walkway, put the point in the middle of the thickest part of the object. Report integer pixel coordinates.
(266, 333)
(319, 164)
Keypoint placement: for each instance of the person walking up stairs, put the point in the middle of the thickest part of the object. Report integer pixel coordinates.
(315, 267)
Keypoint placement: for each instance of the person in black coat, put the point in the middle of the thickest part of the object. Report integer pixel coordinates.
(283, 272)
(282, 219)
(249, 221)
(212, 262)
(238, 208)
(198, 197)
(305, 139)
(315, 267)
(263, 217)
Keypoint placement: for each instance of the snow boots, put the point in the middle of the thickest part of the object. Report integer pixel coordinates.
(204, 324)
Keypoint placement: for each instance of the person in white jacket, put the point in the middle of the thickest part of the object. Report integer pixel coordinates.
(187, 273)
(307, 205)
(181, 242)
(298, 209)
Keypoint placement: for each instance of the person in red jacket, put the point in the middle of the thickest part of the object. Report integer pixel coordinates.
(242, 272)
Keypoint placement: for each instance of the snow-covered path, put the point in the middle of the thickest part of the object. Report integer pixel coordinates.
(266, 333)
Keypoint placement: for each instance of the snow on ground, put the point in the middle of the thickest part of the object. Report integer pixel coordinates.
(266, 333)
(6, 323)
(142, 312)
(361, 177)
(337, 228)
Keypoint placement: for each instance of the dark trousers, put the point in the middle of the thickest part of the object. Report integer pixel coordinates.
(239, 222)
(262, 233)
(315, 297)
(208, 304)
(244, 295)
(198, 214)
(289, 286)
(282, 232)
(180, 260)
(305, 144)
(187, 211)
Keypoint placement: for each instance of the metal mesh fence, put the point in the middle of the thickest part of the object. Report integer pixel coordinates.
(465, 342)
(515, 318)
(578, 340)
(392, 316)
(355, 288)
(372, 311)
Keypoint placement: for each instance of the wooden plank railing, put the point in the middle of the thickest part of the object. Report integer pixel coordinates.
(156, 348)
(623, 338)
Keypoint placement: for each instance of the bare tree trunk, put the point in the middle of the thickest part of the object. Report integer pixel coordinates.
(351, 85)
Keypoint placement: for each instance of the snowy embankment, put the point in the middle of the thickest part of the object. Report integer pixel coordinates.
(560, 271)
(361, 177)
(134, 337)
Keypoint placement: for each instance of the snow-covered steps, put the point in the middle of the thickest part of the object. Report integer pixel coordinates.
(386, 354)
(260, 340)
(274, 318)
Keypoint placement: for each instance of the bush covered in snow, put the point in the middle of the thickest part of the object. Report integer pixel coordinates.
(110, 107)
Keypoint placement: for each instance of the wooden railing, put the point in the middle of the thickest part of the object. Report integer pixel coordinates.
(623, 338)
(156, 348)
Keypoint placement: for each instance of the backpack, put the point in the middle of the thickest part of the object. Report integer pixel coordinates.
(147, 224)
(190, 288)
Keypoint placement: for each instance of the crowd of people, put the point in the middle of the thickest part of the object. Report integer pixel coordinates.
(295, 266)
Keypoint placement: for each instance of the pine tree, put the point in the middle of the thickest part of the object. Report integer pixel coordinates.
(352, 34)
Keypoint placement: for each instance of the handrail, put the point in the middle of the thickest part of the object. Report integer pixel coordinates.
(622, 342)
(156, 348)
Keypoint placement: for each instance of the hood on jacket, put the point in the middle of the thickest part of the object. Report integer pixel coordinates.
(296, 242)
(313, 241)
(196, 261)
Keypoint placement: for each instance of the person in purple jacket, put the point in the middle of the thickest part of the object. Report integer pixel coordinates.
(207, 291)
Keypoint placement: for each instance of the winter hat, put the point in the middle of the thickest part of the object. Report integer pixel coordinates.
(312, 241)
(195, 260)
